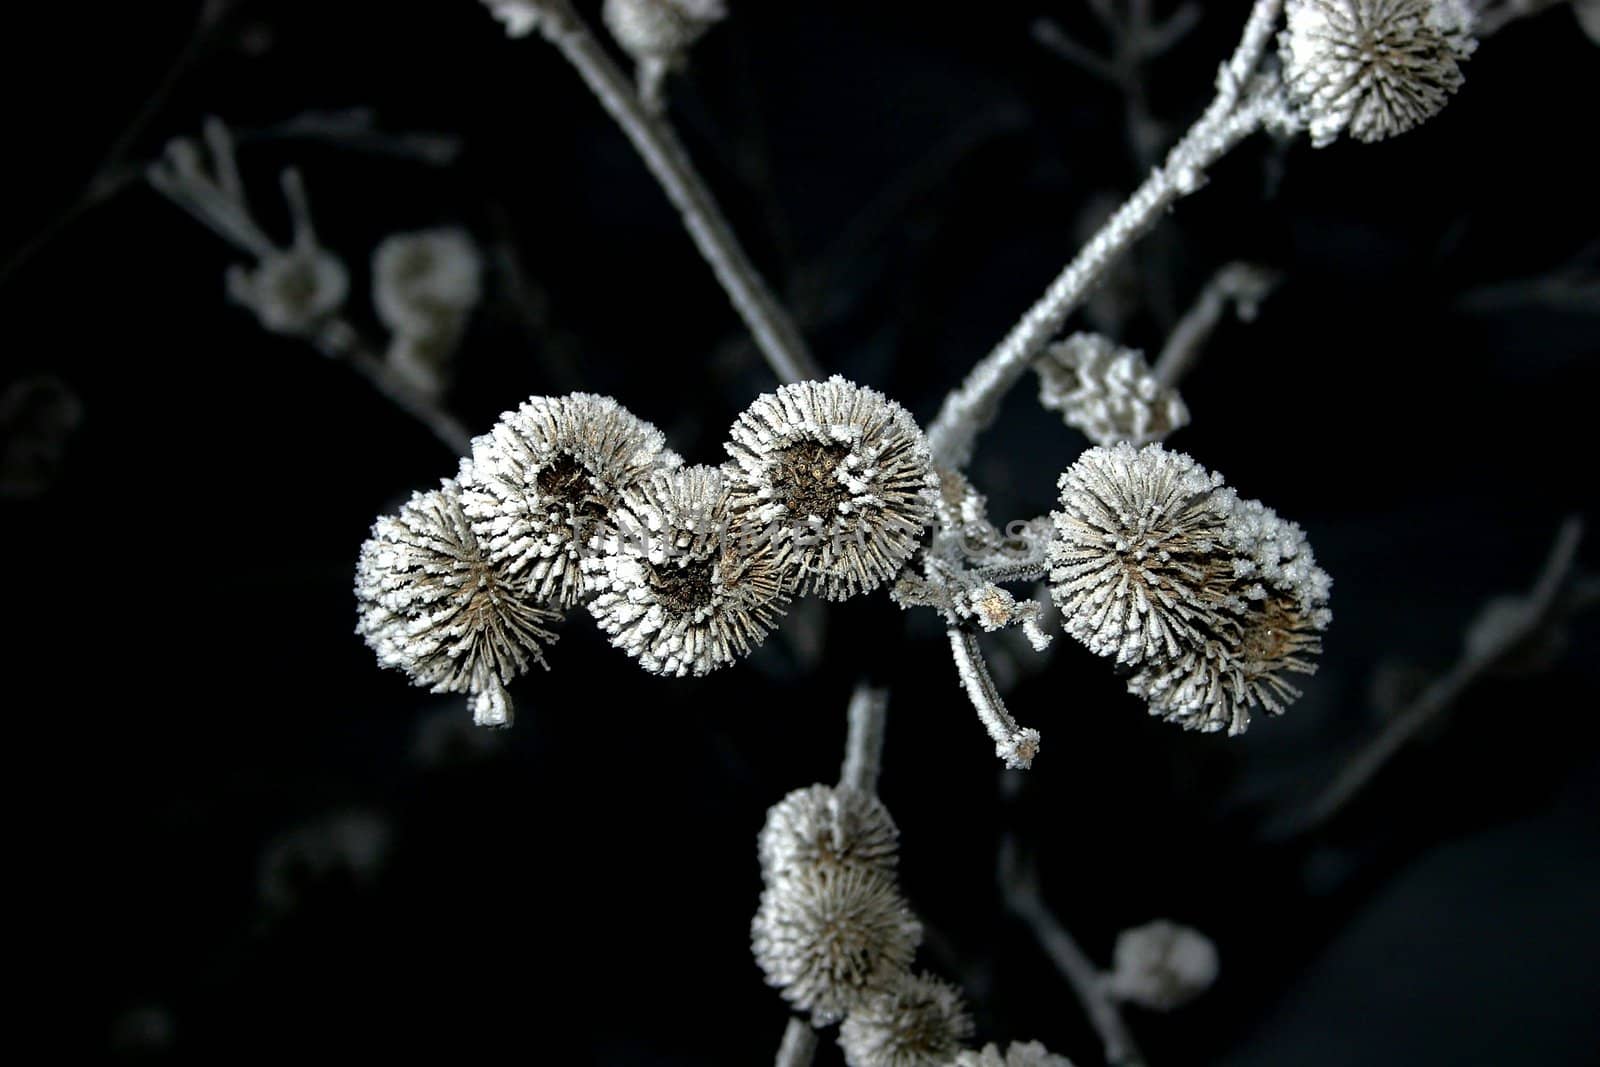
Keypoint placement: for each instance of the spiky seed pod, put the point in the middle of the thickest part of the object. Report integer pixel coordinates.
(1162, 965)
(828, 938)
(827, 826)
(658, 35)
(292, 292)
(1107, 392)
(919, 1022)
(541, 485)
(1017, 1054)
(684, 587)
(433, 606)
(1372, 68)
(841, 473)
(1136, 563)
(1215, 599)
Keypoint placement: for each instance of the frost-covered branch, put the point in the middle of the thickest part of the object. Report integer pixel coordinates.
(1020, 886)
(1524, 621)
(342, 342)
(1244, 285)
(863, 754)
(799, 1044)
(1236, 112)
(1012, 742)
(658, 146)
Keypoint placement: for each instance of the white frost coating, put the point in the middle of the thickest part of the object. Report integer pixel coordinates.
(838, 473)
(658, 35)
(682, 586)
(1108, 392)
(827, 826)
(1017, 1054)
(830, 938)
(920, 1021)
(1013, 743)
(433, 607)
(1162, 965)
(1372, 68)
(541, 485)
(1213, 598)
(520, 17)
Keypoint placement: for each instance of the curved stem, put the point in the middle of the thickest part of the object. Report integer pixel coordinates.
(653, 137)
(1227, 120)
(863, 753)
(340, 341)
(799, 1044)
(1013, 743)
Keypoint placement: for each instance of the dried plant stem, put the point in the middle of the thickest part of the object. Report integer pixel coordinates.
(1012, 742)
(1542, 602)
(340, 341)
(863, 751)
(1241, 284)
(1231, 116)
(799, 1044)
(653, 137)
(1022, 897)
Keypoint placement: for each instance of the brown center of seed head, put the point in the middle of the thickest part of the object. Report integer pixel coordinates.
(805, 480)
(566, 480)
(682, 590)
(1272, 632)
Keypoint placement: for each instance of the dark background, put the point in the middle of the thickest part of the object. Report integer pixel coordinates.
(192, 711)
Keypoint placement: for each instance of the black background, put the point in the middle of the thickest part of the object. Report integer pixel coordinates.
(188, 689)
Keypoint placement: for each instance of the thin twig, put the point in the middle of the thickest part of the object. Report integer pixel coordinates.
(340, 341)
(1020, 886)
(799, 1044)
(863, 753)
(1541, 603)
(1494, 17)
(1242, 284)
(1230, 117)
(1014, 743)
(653, 137)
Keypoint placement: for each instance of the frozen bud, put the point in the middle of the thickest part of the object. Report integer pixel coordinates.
(431, 605)
(292, 292)
(1215, 599)
(828, 938)
(1162, 965)
(658, 35)
(1017, 1054)
(1107, 392)
(1372, 68)
(541, 486)
(919, 1022)
(682, 586)
(424, 284)
(839, 473)
(827, 826)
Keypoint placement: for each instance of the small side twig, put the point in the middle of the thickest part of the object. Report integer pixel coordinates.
(1020, 886)
(1013, 743)
(653, 138)
(340, 341)
(1244, 285)
(799, 1045)
(1541, 604)
(863, 753)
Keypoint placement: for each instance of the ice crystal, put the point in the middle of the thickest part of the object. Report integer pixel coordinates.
(433, 606)
(827, 826)
(842, 473)
(1017, 1054)
(1107, 392)
(1215, 599)
(541, 485)
(830, 937)
(658, 34)
(1162, 965)
(919, 1022)
(1372, 68)
(683, 587)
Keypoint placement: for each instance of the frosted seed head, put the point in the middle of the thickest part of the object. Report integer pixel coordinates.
(682, 585)
(1107, 392)
(541, 486)
(1162, 965)
(827, 826)
(1017, 1054)
(918, 1022)
(432, 606)
(293, 292)
(828, 938)
(1372, 68)
(425, 283)
(839, 473)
